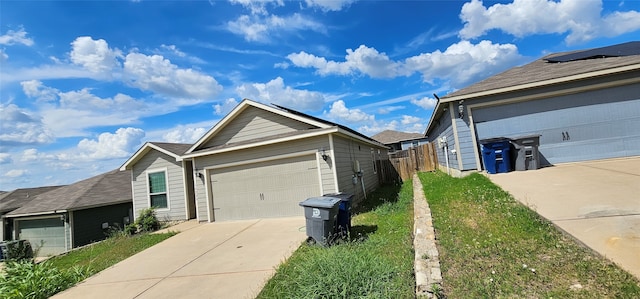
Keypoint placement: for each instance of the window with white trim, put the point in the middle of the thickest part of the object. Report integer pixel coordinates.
(158, 190)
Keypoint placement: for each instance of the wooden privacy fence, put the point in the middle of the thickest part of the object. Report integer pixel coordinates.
(421, 158)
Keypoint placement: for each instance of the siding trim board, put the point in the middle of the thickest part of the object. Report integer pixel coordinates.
(332, 152)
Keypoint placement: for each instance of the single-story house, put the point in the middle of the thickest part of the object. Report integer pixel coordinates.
(585, 105)
(259, 161)
(75, 215)
(399, 141)
(12, 200)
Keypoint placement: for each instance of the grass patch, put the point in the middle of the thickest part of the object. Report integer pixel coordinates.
(25, 279)
(492, 246)
(376, 263)
(109, 252)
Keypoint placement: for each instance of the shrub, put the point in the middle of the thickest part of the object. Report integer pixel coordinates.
(147, 221)
(25, 279)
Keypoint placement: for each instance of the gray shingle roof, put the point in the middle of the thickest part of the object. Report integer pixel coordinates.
(541, 70)
(19, 197)
(176, 148)
(391, 136)
(105, 189)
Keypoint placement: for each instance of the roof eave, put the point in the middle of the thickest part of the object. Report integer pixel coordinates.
(577, 77)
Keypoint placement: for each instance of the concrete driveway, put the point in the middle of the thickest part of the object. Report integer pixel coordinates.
(213, 260)
(598, 202)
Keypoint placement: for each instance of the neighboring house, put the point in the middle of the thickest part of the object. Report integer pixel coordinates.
(259, 161)
(584, 104)
(78, 214)
(161, 179)
(10, 201)
(398, 141)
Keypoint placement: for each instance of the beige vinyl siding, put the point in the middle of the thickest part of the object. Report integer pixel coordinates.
(155, 160)
(347, 151)
(255, 123)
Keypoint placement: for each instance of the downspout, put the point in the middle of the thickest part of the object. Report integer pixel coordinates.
(364, 191)
(446, 156)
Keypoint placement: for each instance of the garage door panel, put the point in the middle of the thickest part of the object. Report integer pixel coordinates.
(571, 134)
(47, 236)
(263, 190)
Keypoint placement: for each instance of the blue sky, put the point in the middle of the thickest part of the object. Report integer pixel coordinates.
(84, 84)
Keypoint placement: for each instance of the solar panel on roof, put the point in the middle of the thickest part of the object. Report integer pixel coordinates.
(626, 49)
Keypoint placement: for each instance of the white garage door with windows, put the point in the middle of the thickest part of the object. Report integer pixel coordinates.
(265, 189)
(46, 235)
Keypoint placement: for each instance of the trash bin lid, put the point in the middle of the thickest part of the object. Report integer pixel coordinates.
(321, 202)
(341, 196)
(493, 140)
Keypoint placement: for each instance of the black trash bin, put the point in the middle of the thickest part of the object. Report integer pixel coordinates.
(495, 155)
(321, 215)
(526, 154)
(343, 227)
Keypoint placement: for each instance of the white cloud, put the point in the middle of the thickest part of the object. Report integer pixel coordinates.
(363, 60)
(389, 109)
(173, 49)
(21, 127)
(340, 113)
(426, 102)
(377, 127)
(460, 64)
(35, 89)
(157, 74)
(95, 55)
(276, 92)
(108, 145)
(262, 28)
(14, 173)
(409, 120)
(3, 56)
(5, 158)
(464, 62)
(16, 37)
(257, 7)
(581, 19)
(184, 134)
(226, 107)
(329, 5)
(84, 100)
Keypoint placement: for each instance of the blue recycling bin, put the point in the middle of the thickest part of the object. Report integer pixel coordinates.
(496, 155)
(343, 226)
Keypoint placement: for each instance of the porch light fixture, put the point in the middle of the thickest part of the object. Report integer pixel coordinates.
(324, 154)
(460, 109)
(198, 173)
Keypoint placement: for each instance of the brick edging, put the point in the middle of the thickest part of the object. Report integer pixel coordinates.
(427, 262)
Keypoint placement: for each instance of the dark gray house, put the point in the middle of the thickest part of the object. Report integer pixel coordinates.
(585, 105)
(12, 200)
(78, 214)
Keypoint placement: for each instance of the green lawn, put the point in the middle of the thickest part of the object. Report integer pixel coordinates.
(376, 263)
(491, 246)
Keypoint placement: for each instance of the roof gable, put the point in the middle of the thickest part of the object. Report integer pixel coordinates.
(252, 120)
(174, 150)
(105, 189)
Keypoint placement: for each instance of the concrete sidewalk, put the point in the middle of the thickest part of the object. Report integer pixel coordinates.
(598, 202)
(214, 260)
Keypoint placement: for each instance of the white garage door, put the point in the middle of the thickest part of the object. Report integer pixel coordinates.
(45, 235)
(264, 190)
